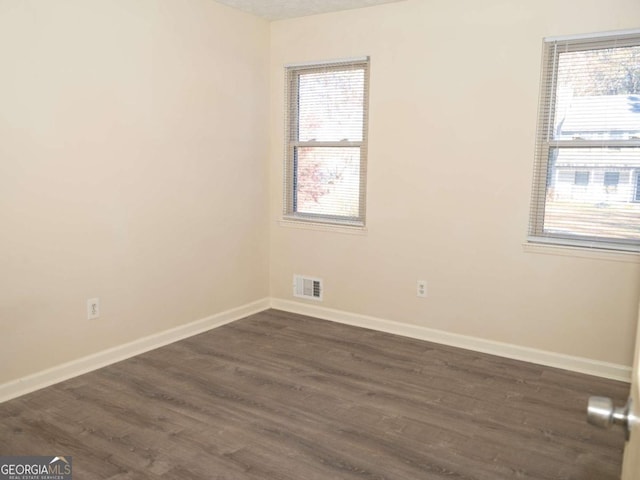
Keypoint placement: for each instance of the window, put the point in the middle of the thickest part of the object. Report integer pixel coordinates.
(581, 178)
(611, 179)
(326, 142)
(588, 126)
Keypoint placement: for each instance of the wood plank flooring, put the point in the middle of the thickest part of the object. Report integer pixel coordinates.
(283, 396)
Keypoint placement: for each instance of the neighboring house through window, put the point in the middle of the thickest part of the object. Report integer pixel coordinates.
(586, 184)
(326, 142)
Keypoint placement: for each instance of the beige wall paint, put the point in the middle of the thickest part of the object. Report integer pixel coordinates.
(126, 127)
(133, 148)
(454, 89)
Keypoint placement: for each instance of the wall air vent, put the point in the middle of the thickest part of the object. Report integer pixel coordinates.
(307, 287)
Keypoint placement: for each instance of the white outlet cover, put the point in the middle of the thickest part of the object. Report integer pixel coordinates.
(93, 308)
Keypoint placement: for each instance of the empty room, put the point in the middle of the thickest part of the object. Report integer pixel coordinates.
(309, 240)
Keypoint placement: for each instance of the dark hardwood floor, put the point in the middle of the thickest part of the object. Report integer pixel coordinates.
(283, 396)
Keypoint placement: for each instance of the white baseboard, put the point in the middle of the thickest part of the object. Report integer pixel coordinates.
(541, 357)
(101, 359)
(92, 362)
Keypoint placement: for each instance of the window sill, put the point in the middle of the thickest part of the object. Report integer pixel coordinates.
(581, 252)
(323, 227)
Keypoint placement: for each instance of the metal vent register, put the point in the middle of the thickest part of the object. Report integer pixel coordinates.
(307, 287)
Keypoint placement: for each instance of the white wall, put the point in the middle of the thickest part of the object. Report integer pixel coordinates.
(454, 91)
(132, 168)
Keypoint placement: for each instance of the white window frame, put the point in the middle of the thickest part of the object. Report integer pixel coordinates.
(292, 74)
(552, 47)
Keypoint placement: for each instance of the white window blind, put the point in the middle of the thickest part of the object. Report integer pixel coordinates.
(587, 158)
(326, 142)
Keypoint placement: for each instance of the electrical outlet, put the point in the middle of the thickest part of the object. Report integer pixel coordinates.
(421, 289)
(93, 308)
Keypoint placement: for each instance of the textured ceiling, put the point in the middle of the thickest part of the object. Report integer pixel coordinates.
(279, 9)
